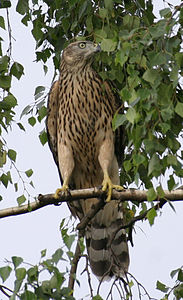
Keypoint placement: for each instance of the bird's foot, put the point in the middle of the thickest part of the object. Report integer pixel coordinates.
(108, 186)
(64, 190)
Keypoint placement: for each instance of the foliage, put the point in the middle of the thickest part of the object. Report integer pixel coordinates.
(27, 284)
(143, 57)
(177, 290)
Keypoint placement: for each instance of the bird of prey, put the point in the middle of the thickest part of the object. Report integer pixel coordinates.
(87, 152)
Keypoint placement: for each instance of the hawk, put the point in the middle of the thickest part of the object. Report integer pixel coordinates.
(87, 152)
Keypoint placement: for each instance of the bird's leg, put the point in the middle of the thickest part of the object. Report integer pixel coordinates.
(108, 185)
(66, 166)
(107, 162)
(63, 189)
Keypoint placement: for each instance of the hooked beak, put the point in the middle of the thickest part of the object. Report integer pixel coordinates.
(97, 47)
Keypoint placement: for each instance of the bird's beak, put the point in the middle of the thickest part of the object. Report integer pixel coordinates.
(97, 47)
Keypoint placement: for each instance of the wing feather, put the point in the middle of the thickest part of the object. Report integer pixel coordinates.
(51, 121)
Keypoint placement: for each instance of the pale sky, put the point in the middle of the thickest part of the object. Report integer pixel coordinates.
(157, 250)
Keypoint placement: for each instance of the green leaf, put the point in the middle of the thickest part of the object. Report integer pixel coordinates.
(127, 165)
(171, 183)
(57, 255)
(68, 240)
(4, 60)
(180, 275)
(151, 194)
(131, 115)
(118, 120)
(26, 110)
(10, 101)
(174, 75)
(16, 186)
(39, 91)
(97, 297)
(2, 24)
(16, 261)
(29, 172)
(36, 31)
(161, 287)
(178, 292)
(5, 81)
(3, 155)
(154, 165)
(158, 30)
(108, 45)
(151, 215)
(179, 59)
(120, 58)
(179, 109)
(108, 4)
(32, 274)
(20, 273)
(103, 13)
(82, 9)
(17, 286)
(5, 272)
(21, 126)
(42, 112)
(43, 137)
(32, 121)
(12, 154)
(25, 20)
(5, 3)
(5, 179)
(45, 68)
(21, 200)
(138, 159)
(157, 58)
(43, 253)
(160, 192)
(22, 6)
(174, 272)
(17, 70)
(165, 12)
(28, 295)
(150, 75)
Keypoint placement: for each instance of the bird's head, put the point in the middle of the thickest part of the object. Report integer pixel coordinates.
(79, 52)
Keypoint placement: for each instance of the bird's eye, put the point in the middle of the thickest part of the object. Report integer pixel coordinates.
(82, 45)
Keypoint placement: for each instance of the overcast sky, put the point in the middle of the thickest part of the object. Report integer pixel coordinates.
(157, 250)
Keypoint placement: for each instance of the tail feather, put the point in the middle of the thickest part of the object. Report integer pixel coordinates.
(107, 247)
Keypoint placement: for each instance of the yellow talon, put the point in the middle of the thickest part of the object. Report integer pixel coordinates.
(107, 185)
(63, 189)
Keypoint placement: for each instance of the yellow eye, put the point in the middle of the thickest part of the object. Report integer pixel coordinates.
(82, 45)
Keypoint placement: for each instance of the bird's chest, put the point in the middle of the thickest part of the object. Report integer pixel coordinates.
(84, 117)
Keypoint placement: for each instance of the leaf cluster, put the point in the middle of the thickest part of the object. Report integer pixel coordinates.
(9, 69)
(28, 284)
(176, 290)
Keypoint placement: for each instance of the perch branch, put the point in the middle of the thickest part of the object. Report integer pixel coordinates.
(49, 199)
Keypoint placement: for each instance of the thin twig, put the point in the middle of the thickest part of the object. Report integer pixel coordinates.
(88, 274)
(140, 285)
(3, 288)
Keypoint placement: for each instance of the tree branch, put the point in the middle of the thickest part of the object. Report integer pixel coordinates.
(125, 195)
(76, 258)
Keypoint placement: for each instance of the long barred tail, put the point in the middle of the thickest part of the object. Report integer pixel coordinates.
(108, 255)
